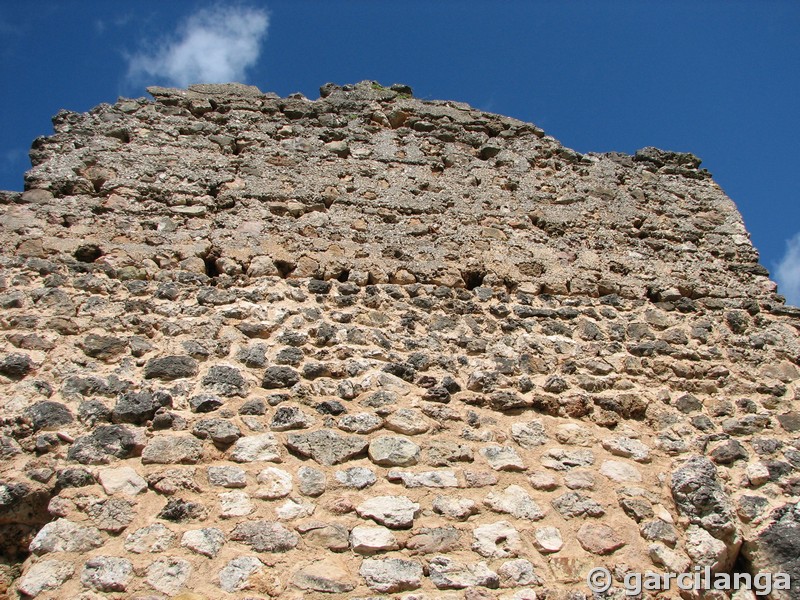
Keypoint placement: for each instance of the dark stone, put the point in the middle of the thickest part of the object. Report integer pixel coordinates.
(88, 253)
(699, 496)
(279, 377)
(555, 384)
(287, 417)
(73, 478)
(47, 415)
(103, 347)
(729, 452)
(506, 400)
(289, 356)
(179, 511)
(450, 384)
(169, 368)
(790, 421)
(404, 371)
(226, 381)
(313, 370)
(331, 407)
(688, 403)
(254, 356)
(254, 406)
(214, 297)
(750, 508)
(317, 286)
(138, 408)
(204, 403)
(221, 431)
(777, 469)
(776, 549)
(293, 338)
(16, 366)
(95, 386)
(105, 441)
(437, 393)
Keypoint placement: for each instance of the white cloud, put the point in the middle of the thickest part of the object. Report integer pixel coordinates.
(787, 275)
(214, 45)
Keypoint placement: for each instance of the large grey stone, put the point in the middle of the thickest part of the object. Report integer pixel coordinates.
(172, 449)
(45, 575)
(107, 573)
(265, 536)
(393, 451)
(390, 575)
(63, 535)
(327, 447)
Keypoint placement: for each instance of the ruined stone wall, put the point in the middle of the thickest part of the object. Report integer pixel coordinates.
(370, 346)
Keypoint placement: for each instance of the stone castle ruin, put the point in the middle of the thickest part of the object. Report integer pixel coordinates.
(369, 346)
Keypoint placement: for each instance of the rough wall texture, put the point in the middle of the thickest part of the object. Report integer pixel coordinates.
(369, 346)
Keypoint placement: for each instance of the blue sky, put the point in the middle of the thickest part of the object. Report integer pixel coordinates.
(719, 78)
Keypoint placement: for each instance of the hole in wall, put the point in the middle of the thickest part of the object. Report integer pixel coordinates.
(343, 276)
(285, 268)
(88, 253)
(473, 279)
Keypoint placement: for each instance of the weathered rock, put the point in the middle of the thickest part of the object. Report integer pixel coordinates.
(599, 539)
(370, 540)
(63, 535)
(497, 540)
(170, 368)
(699, 496)
(107, 573)
(237, 572)
(329, 576)
(207, 541)
(502, 458)
(256, 448)
(514, 501)
(355, 477)
(172, 449)
(393, 451)
(775, 548)
(397, 512)
(168, 575)
(45, 575)
(152, 538)
(391, 575)
(448, 574)
(326, 447)
(265, 536)
(123, 480)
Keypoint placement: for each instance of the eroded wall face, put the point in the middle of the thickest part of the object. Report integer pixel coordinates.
(367, 345)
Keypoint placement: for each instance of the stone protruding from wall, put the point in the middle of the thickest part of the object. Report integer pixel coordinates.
(371, 346)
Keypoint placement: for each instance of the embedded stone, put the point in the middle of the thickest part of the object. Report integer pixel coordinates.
(391, 575)
(327, 447)
(431, 479)
(45, 575)
(236, 573)
(311, 481)
(369, 540)
(169, 368)
(392, 451)
(235, 504)
(172, 449)
(459, 509)
(514, 501)
(63, 535)
(107, 573)
(449, 574)
(207, 541)
(122, 480)
(619, 471)
(529, 435)
(274, 484)
(152, 538)
(256, 448)
(227, 476)
(599, 538)
(168, 575)
(329, 576)
(502, 458)
(497, 540)
(407, 421)
(548, 540)
(265, 536)
(355, 477)
(397, 512)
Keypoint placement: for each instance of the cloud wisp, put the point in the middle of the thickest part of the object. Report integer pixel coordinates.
(214, 45)
(787, 275)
